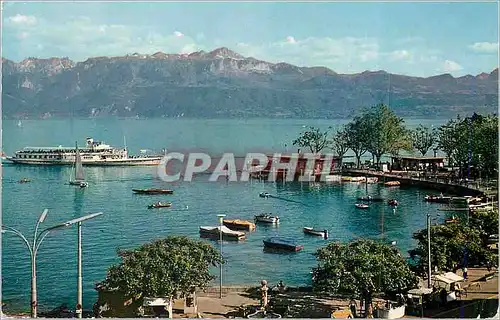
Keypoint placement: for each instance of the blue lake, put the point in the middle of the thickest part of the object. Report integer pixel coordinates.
(127, 222)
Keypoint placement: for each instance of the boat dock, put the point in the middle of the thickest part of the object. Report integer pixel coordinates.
(443, 185)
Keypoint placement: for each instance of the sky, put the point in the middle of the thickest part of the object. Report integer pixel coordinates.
(417, 39)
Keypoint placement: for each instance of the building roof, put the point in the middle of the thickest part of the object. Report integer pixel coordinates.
(418, 158)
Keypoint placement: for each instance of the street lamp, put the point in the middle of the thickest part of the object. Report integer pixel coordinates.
(429, 249)
(221, 223)
(79, 307)
(33, 250)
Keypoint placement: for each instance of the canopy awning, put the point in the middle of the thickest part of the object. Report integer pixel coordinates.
(453, 276)
(420, 291)
(448, 278)
(156, 302)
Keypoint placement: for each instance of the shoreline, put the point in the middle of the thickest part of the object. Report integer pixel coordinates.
(435, 184)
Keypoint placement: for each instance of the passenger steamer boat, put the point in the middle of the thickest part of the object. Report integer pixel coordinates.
(94, 153)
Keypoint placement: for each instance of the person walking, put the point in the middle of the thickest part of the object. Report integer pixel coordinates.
(464, 271)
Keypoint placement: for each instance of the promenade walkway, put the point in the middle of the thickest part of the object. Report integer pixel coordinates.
(439, 183)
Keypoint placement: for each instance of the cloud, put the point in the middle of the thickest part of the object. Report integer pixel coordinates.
(484, 47)
(80, 38)
(400, 55)
(22, 20)
(290, 39)
(314, 51)
(451, 66)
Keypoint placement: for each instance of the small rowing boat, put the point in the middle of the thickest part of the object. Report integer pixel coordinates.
(320, 233)
(362, 206)
(267, 218)
(451, 220)
(160, 205)
(227, 234)
(277, 243)
(237, 224)
(370, 198)
(153, 191)
(437, 199)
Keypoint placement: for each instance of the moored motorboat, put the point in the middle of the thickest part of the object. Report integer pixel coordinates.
(437, 199)
(370, 198)
(393, 203)
(278, 243)
(264, 194)
(153, 191)
(392, 183)
(24, 180)
(362, 206)
(237, 224)
(267, 218)
(320, 233)
(160, 205)
(227, 234)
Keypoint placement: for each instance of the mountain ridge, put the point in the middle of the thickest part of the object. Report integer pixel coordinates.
(223, 83)
(224, 52)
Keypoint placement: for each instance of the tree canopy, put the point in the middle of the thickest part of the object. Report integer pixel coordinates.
(361, 268)
(387, 132)
(339, 142)
(168, 267)
(475, 137)
(455, 243)
(357, 134)
(312, 138)
(423, 138)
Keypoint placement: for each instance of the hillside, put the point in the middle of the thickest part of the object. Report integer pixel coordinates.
(222, 83)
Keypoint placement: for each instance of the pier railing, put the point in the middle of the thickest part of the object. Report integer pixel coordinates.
(485, 187)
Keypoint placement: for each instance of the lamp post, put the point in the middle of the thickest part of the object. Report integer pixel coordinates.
(221, 223)
(33, 250)
(79, 306)
(429, 249)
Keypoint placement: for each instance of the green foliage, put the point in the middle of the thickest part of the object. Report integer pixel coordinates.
(387, 131)
(163, 268)
(477, 134)
(485, 221)
(448, 243)
(339, 142)
(313, 138)
(423, 138)
(361, 268)
(357, 134)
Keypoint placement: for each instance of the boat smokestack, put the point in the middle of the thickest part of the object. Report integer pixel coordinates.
(90, 142)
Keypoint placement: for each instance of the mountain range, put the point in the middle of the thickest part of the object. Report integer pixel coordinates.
(225, 84)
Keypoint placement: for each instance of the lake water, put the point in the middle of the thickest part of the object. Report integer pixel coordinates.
(127, 222)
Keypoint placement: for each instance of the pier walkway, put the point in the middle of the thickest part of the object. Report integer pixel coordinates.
(473, 188)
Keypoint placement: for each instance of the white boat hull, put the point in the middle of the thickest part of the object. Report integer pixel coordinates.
(86, 162)
(273, 220)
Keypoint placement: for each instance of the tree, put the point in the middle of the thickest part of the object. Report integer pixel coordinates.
(449, 244)
(474, 137)
(313, 138)
(362, 268)
(423, 138)
(357, 135)
(387, 131)
(169, 267)
(447, 140)
(339, 142)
